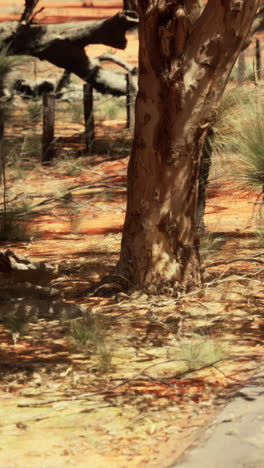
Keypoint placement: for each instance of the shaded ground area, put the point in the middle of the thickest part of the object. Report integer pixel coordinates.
(143, 398)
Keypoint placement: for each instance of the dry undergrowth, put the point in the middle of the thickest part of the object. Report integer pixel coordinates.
(115, 386)
(134, 376)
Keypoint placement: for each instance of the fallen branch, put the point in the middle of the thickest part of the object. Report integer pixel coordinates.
(65, 46)
(253, 258)
(89, 395)
(117, 61)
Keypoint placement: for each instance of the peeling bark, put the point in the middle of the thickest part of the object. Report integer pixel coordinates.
(184, 66)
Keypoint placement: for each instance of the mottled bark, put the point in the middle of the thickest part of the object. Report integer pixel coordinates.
(185, 58)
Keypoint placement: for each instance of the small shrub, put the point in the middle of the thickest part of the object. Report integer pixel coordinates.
(250, 161)
(69, 168)
(16, 323)
(12, 229)
(18, 172)
(260, 237)
(111, 109)
(239, 132)
(235, 103)
(32, 146)
(209, 244)
(34, 112)
(199, 351)
(249, 73)
(77, 113)
(104, 357)
(90, 333)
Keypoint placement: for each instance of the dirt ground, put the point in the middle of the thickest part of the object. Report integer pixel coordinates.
(166, 366)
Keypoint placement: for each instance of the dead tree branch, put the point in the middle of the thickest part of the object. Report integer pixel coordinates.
(64, 46)
(254, 258)
(28, 10)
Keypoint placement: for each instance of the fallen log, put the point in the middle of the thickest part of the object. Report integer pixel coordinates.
(64, 45)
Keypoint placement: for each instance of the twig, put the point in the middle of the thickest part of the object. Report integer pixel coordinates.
(218, 281)
(240, 259)
(139, 374)
(234, 278)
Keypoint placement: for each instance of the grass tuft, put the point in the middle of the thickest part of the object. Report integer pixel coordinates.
(90, 333)
(34, 110)
(32, 146)
(16, 323)
(210, 243)
(12, 230)
(250, 162)
(200, 350)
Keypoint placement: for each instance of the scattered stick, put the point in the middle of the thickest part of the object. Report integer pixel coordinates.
(89, 395)
(253, 258)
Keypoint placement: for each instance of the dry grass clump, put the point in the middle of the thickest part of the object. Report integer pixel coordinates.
(239, 134)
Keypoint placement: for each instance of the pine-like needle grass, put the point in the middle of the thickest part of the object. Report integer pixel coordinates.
(239, 134)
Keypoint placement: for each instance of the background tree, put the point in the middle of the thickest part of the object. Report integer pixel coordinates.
(186, 54)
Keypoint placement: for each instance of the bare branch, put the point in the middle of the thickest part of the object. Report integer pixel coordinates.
(28, 10)
(117, 61)
(65, 46)
(235, 260)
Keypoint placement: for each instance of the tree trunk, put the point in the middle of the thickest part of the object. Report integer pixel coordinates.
(185, 58)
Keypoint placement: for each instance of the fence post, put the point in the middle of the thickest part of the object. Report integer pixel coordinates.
(88, 116)
(130, 102)
(48, 150)
(258, 60)
(1, 143)
(241, 68)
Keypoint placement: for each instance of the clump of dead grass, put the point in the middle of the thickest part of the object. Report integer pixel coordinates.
(13, 229)
(210, 243)
(239, 134)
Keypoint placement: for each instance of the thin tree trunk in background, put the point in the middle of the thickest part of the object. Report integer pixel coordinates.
(258, 60)
(241, 69)
(88, 116)
(130, 102)
(48, 150)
